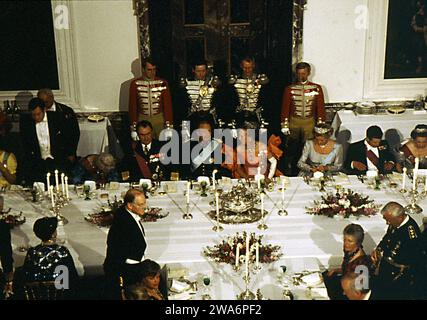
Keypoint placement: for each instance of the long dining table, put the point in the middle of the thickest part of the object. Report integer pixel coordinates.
(308, 242)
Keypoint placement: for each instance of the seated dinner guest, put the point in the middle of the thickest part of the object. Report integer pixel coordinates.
(415, 148)
(42, 260)
(354, 256)
(253, 155)
(144, 161)
(8, 163)
(372, 153)
(147, 285)
(354, 290)
(322, 153)
(207, 154)
(99, 168)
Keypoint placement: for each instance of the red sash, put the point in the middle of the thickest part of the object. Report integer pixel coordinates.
(142, 164)
(373, 157)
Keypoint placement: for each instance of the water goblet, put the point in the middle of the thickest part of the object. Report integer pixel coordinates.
(206, 283)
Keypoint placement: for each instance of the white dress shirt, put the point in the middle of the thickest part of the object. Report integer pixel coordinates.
(53, 107)
(137, 220)
(148, 146)
(42, 130)
(370, 165)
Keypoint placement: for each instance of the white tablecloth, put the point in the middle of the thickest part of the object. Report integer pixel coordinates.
(350, 127)
(306, 240)
(97, 137)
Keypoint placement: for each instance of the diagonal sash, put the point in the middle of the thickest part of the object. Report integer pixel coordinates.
(142, 164)
(373, 157)
(204, 155)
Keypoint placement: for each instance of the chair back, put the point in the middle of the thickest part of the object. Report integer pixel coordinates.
(43, 290)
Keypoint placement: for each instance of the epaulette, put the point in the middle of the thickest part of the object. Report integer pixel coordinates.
(412, 233)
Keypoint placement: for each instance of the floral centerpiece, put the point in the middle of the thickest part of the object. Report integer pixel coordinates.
(225, 252)
(11, 218)
(344, 203)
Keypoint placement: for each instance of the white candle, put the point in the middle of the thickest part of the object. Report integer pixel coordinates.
(56, 180)
(404, 178)
(417, 163)
(425, 186)
(257, 254)
(238, 254)
(213, 179)
(48, 182)
(414, 181)
(188, 192)
(217, 205)
(262, 204)
(52, 197)
(66, 187)
(63, 183)
(247, 255)
(283, 190)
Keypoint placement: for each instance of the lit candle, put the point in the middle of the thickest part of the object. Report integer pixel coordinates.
(247, 255)
(257, 254)
(188, 192)
(66, 187)
(52, 197)
(63, 182)
(404, 178)
(48, 182)
(417, 163)
(217, 205)
(56, 180)
(213, 178)
(238, 254)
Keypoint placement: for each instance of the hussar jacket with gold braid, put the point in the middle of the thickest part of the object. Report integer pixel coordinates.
(149, 98)
(303, 101)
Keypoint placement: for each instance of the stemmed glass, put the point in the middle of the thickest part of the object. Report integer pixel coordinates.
(206, 283)
(86, 190)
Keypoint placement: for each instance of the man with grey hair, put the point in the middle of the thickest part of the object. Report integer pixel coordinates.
(398, 256)
(99, 168)
(354, 290)
(69, 124)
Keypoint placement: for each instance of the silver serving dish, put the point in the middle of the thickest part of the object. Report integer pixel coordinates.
(239, 199)
(366, 108)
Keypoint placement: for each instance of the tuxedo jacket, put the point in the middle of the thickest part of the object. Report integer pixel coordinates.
(134, 170)
(70, 127)
(6, 256)
(357, 152)
(124, 241)
(58, 146)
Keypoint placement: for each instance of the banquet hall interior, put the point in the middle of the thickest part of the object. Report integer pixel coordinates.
(308, 166)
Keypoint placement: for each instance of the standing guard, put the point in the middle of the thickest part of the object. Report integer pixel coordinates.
(248, 88)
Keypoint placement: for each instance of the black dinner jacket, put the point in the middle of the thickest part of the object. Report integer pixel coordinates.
(70, 127)
(132, 164)
(58, 147)
(125, 241)
(357, 152)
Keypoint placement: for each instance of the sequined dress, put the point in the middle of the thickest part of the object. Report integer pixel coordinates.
(42, 260)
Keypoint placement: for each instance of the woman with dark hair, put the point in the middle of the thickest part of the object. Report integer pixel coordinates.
(42, 260)
(147, 285)
(415, 148)
(322, 153)
(354, 257)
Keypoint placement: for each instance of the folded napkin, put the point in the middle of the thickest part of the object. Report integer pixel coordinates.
(91, 184)
(181, 296)
(319, 294)
(203, 178)
(179, 286)
(146, 181)
(312, 279)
